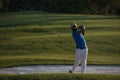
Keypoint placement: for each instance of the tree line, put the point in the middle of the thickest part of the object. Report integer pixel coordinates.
(106, 7)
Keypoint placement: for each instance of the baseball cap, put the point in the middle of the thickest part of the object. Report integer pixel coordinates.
(73, 24)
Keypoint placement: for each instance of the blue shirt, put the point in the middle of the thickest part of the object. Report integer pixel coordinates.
(79, 39)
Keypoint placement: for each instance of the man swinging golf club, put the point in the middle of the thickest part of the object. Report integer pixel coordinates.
(81, 50)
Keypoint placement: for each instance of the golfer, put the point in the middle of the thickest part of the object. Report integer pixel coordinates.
(81, 50)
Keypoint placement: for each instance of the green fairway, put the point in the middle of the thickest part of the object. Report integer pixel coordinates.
(60, 77)
(31, 38)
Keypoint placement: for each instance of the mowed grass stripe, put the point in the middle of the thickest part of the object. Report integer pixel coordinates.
(12, 19)
(59, 35)
(101, 60)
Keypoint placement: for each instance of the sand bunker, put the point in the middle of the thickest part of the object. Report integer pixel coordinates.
(59, 69)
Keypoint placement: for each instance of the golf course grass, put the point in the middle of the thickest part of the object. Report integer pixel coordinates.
(60, 77)
(31, 38)
(45, 38)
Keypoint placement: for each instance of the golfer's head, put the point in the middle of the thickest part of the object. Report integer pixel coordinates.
(73, 26)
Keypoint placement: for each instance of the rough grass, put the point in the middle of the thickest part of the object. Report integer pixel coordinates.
(60, 77)
(42, 38)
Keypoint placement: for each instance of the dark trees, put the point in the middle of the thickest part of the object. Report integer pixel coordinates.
(105, 7)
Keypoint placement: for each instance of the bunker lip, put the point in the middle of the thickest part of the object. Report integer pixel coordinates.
(33, 69)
